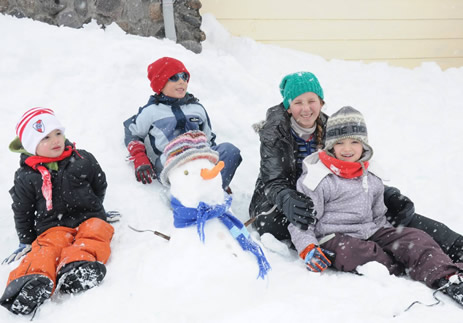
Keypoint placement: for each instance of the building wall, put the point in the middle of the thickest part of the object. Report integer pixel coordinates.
(400, 32)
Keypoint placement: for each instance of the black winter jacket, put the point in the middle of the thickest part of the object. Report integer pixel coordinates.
(79, 187)
(278, 150)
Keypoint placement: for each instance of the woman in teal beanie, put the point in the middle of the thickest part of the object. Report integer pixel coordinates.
(293, 130)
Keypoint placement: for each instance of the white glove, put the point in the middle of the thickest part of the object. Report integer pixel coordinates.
(113, 216)
(18, 253)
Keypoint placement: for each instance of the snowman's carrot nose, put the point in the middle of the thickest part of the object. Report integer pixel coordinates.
(213, 172)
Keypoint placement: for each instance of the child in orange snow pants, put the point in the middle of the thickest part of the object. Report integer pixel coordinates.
(59, 216)
(59, 248)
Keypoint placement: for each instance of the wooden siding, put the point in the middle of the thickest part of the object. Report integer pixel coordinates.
(400, 32)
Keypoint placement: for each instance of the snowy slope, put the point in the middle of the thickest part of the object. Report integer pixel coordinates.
(96, 79)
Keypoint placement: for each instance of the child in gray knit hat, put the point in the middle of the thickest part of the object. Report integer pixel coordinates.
(348, 199)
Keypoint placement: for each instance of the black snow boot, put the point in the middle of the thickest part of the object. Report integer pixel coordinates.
(25, 294)
(453, 286)
(80, 275)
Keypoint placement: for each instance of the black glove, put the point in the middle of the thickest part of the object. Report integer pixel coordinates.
(456, 250)
(400, 209)
(297, 207)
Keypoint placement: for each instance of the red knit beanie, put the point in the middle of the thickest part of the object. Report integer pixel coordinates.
(160, 71)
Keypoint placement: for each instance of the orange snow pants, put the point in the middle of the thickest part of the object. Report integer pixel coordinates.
(59, 246)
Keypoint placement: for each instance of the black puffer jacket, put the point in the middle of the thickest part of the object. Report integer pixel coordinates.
(79, 187)
(278, 150)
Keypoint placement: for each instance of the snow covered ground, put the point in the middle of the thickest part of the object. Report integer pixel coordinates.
(96, 79)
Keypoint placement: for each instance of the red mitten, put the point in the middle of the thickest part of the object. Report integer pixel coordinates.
(143, 169)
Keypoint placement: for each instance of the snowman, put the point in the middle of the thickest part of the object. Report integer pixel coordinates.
(202, 208)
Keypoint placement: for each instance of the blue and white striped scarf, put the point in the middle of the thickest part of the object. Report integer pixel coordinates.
(186, 216)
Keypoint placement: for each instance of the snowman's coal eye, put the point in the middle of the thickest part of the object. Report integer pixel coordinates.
(185, 172)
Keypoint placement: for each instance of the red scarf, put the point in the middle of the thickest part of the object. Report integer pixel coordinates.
(343, 168)
(35, 162)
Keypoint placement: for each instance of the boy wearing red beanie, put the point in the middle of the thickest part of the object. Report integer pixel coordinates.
(59, 216)
(170, 112)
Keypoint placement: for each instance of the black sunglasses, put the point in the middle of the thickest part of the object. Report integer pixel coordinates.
(176, 77)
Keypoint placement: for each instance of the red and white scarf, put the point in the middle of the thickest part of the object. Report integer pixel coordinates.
(342, 168)
(36, 163)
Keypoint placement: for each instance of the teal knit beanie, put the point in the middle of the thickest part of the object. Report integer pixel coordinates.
(298, 83)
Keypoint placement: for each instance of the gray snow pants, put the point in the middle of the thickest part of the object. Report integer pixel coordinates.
(397, 249)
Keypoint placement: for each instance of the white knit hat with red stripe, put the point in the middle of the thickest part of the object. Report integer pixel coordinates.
(34, 125)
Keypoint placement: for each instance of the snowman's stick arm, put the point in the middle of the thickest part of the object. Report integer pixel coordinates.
(251, 220)
(162, 235)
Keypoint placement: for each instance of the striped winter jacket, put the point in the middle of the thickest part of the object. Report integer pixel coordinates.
(164, 118)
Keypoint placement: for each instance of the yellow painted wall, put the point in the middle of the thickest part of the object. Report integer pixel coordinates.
(400, 32)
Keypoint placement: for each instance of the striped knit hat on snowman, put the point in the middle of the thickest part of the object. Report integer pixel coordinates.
(189, 146)
(34, 125)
